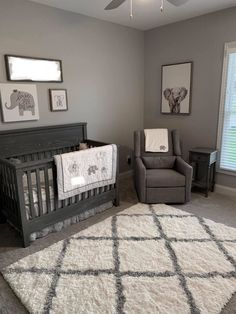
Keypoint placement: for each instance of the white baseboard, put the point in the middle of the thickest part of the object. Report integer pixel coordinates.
(225, 190)
(126, 174)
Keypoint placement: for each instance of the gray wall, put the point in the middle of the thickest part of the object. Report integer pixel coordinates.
(200, 40)
(103, 68)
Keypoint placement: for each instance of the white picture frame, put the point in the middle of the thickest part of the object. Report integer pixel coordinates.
(19, 102)
(176, 88)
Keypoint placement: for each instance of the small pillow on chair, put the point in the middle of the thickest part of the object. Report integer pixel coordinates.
(165, 162)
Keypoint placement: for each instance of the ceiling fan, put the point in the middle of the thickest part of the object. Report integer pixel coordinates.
(116, 3)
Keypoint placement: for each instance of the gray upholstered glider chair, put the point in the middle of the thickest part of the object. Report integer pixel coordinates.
(161, 177)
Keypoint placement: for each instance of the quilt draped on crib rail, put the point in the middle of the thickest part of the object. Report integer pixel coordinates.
(81, 171)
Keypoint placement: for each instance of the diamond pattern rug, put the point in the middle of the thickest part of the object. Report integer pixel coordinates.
(146, 259)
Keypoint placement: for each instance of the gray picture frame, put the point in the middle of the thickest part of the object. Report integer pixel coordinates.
(56, 104)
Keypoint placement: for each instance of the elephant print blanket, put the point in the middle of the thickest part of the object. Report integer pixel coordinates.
(81, 171)
(156, 140)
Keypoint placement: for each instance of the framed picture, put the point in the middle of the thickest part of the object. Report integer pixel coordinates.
(30, 69)
(58, 99)
(176, 88)
(19, 102)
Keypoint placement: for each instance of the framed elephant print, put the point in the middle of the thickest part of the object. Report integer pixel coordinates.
(19, 102)
(58, 99)
(176, 88)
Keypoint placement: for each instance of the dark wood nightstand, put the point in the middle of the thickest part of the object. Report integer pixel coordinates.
(203, 161)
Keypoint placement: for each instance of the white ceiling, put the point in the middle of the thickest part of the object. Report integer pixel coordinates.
(147, 13)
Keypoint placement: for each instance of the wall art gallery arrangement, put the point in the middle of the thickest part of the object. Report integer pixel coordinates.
(19, 102)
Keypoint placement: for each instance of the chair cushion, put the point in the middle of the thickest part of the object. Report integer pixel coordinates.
(166, 162)
(164, 178)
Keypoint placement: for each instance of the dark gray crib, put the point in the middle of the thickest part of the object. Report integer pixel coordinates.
(26, 163)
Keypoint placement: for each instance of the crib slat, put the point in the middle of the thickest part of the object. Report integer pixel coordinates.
(13, 191)
(63, 202)
(48, 201)
(54, 177)
(30, 191)
(9, 183)
(13, 185)
(5, 189)
(77, 198)
(10, 186)
(39, 192)
(70, 201)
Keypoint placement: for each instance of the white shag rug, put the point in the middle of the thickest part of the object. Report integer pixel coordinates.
(146, 259)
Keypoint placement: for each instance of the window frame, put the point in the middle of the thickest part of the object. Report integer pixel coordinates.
(228, 48)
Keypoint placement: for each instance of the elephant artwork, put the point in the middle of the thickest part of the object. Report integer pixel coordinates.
(59, 100)
(175, 96)
(176, 88)
(19, 102)
(23, 100)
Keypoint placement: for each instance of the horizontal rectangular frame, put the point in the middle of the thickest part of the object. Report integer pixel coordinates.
(8, 72)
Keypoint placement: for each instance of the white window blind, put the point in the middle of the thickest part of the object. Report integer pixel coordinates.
(227, 121)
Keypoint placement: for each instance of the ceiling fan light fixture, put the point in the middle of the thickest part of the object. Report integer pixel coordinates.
(162, 6)
(131, 10)
(114, 4)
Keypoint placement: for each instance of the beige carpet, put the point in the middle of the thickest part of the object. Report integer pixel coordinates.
(146, 259)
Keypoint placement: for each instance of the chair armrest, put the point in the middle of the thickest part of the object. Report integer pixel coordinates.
(185, 169)
(140, 179)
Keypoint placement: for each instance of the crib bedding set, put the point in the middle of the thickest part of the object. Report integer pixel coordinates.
(46, 191)
(81, 171)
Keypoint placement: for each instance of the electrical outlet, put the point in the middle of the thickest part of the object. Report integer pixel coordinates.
(128, 160)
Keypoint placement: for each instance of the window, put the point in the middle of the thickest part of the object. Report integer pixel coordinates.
(227, 117)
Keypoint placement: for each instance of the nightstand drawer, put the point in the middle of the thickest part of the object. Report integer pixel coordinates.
(199, 157)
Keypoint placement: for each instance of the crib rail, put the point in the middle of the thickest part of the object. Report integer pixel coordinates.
(43, 154)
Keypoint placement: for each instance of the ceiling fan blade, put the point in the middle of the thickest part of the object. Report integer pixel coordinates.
(114, 4)
(177, 3)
